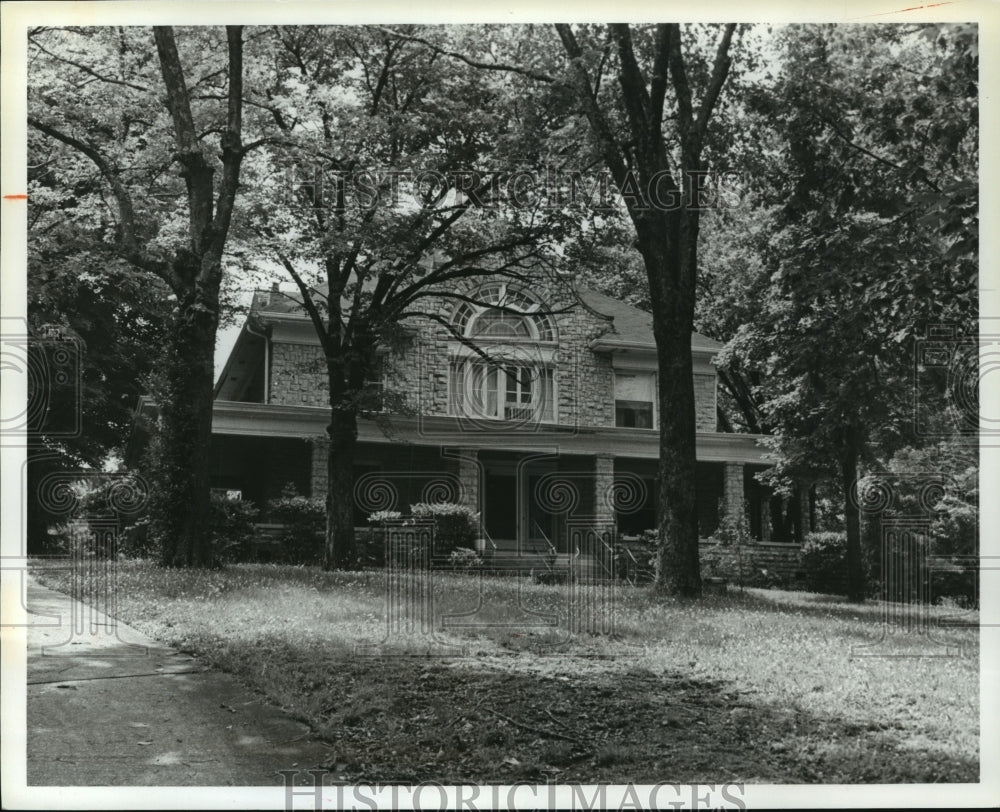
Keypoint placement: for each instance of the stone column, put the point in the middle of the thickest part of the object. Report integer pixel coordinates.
(604, 483)
(732, 489)
(320, 455)
(468, 476)
(765, 517)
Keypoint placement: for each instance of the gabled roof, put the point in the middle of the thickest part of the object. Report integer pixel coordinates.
(631, 325)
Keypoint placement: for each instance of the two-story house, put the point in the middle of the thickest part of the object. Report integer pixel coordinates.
(561, 422)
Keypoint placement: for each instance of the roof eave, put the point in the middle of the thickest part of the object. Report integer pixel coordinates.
(605, 344)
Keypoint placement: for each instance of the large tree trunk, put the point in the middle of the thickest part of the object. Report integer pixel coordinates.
(671, 282)
(340, 551)
(183, 494)
(855, 568)
(678, 570)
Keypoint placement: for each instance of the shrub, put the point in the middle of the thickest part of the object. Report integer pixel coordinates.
(231, 523)
(137, 542)
(304, 520)
(455, 525)
(734, 531)
(824, 562)
(370, 544)
(462, 558)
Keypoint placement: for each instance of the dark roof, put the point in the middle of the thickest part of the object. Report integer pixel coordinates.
(629, 324)
(633, 325)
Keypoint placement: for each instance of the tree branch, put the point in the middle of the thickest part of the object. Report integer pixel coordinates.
(307, 301)
(195, 170)
(495, 66)
(658, 79)
(720, 69)
(681, 87)
(610, 150)
(128, 240)
(88, 70)
(231, 143)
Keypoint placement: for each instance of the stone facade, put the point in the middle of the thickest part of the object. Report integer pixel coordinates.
(298, 376)
(420, 371)
(704, 402)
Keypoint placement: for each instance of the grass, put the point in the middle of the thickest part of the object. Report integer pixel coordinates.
(755, 686)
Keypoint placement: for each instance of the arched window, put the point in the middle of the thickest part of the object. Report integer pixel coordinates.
(503, 312)
(516, 379)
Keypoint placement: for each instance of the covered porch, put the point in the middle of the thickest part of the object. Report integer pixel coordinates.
(527, 488)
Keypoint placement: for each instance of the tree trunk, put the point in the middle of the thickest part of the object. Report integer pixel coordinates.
(678, 570)
(183, 495)
(340, 551)
(855, 569)
(802, 518)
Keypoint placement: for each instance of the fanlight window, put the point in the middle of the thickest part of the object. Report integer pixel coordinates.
(503, 313)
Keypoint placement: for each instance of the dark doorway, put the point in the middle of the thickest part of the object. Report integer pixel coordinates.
(541, 529)
(500, 507)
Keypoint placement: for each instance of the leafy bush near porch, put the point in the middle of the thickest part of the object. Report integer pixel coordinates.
(824, 562)
(455, 526)
(370, 545)
(304, 521)
(231, 523)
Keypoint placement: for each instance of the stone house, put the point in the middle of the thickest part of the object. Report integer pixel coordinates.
(560, 423)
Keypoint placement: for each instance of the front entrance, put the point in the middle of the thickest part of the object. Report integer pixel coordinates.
(513, 514)
(500, 507)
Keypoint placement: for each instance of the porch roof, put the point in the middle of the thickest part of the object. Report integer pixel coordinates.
(269, 420)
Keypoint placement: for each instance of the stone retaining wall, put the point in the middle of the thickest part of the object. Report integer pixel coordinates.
(761, 563)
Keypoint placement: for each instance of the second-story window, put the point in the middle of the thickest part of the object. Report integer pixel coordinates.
(635, 394)
(506, 370)
(522, 392)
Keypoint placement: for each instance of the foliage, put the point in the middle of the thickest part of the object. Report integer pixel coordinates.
(304, 521)
(734, 530)
(231, 525)
(824, 561)
(455, 526)
(952, 518)
(850, 269)
(107, 124)
(463, 558)
(137, 542)
(385, 516)
(371, 548)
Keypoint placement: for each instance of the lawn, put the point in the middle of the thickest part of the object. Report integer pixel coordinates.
(751, 686)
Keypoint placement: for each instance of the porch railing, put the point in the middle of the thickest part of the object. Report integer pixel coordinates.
(550, 552)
